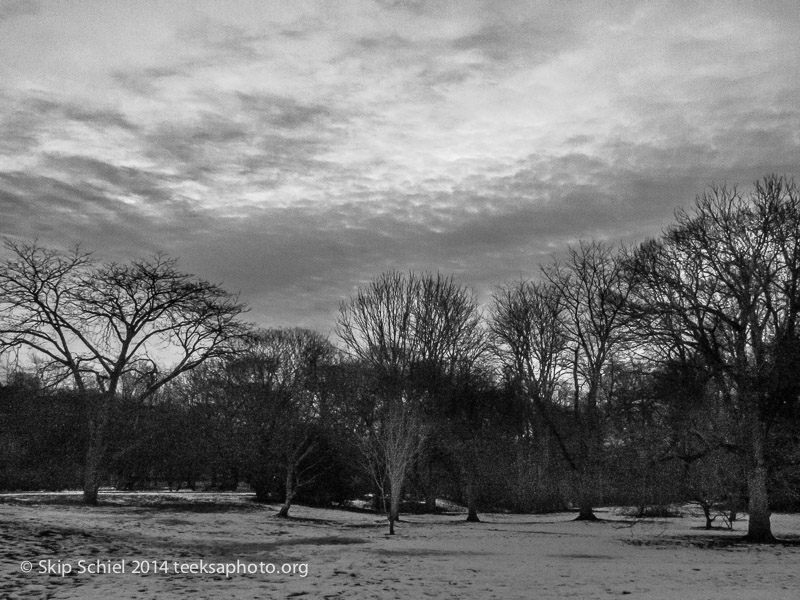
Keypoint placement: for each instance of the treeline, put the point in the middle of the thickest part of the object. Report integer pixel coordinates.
(659, 373)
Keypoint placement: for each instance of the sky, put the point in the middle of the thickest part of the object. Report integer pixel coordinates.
(292, 151)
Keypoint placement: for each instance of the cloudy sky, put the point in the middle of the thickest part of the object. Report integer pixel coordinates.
(294, 150)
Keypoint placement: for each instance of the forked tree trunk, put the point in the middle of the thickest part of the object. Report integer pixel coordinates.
(706, 506)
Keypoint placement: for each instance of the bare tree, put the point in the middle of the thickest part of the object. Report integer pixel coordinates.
(109, 327)
(447, 327)
(593, 289)
(450, 342)
(573, 323)
(391, 449)
(376, 326)
(532, 343)
(414, 333)
(725, 282)
(530, 336)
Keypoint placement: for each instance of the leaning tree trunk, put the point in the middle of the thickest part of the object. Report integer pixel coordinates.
(758, 528)
(291, 489)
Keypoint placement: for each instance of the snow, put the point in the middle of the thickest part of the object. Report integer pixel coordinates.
(349, 555)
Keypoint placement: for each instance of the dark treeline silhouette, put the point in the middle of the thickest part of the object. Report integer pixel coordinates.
(642, 376)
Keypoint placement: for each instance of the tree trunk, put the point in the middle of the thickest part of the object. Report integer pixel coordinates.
(585, 506)
(758, 528)
(394, 506)
(469, 492)
(587, 467)
(290, 490)
(706, 506)
(586, 512)
(91, 473)
(99, 411)
(590, 446)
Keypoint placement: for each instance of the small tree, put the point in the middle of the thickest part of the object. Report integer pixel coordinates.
(102, 326)
(391, 450)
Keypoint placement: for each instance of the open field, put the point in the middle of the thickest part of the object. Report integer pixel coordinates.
(349, 555)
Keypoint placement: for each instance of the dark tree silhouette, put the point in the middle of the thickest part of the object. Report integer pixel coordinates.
(281, 369)
(109, 327)
(725, 282)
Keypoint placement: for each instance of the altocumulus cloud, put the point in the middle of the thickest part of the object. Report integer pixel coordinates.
(294, 150)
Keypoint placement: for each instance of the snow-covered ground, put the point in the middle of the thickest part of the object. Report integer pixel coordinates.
(348, 554)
